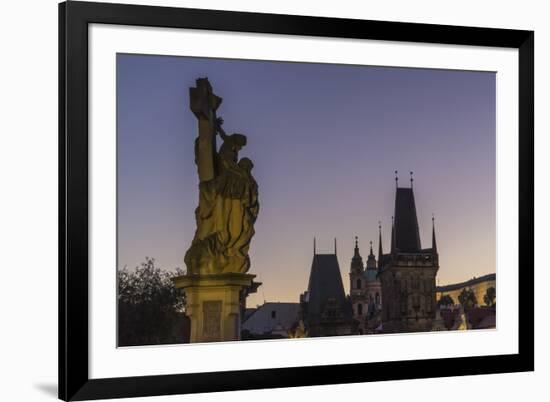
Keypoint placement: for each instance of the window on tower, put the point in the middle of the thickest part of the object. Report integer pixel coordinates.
(358, 284)
(359, 309)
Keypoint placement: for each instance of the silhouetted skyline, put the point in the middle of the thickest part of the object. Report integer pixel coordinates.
(325, 140)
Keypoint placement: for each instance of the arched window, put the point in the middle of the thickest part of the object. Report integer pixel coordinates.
(377, 298)
(359, 309)
(358, 284)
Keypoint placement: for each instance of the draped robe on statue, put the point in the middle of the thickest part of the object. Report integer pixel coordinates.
(228, 208)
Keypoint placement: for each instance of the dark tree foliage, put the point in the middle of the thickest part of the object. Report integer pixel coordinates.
(490, 297)
(150, 308)
(445, 300)
(467, 298)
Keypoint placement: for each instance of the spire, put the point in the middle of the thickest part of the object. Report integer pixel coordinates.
(434, 244)
(379, 243)
(357, 260)
(335, 246)
(314, 246)
(392, 235)
(371, 260)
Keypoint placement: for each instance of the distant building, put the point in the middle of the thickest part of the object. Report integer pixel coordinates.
(480, 316)
(478, 285)
(325, 310)
(270, 320)
(365, 291)
(408, 272)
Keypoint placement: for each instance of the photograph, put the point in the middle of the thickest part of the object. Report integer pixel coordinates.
(274, 200)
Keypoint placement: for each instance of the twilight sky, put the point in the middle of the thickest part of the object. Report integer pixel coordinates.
(325, 140)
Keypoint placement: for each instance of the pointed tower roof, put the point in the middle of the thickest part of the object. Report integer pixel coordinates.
(325, 284)
(407, 237)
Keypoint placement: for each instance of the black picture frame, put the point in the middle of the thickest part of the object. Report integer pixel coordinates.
(74, 18)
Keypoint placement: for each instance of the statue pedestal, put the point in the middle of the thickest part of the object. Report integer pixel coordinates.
(213, 304)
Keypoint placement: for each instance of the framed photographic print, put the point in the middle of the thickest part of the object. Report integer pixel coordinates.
(257, 200)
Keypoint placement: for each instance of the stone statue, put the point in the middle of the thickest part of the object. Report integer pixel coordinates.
(228, 194)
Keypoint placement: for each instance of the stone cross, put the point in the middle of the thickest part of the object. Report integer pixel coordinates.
(204, 103)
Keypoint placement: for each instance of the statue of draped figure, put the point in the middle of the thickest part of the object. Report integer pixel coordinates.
(228, 194)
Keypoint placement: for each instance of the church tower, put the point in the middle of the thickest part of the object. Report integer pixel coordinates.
(373, 288)
(365, 291)
(407, 274)
(357, 288)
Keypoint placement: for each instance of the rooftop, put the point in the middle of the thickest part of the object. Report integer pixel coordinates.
(407, 237)
(325, 283)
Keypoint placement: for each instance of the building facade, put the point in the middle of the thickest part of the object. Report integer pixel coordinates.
(365, 291)
(478, 285)
(408, 273)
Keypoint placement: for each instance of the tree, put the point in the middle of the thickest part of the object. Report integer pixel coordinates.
(150, 308)
(490, 297)
(445, 300)
(467, 298)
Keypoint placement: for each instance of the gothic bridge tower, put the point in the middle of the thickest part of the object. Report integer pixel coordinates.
(407, 274)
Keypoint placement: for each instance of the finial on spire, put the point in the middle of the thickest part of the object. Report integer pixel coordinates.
(396, 179)
(356, 242)
(335, 246)
(411, 173)
(370, 247)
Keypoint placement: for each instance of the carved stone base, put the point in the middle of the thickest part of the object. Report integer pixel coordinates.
(214, 305)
